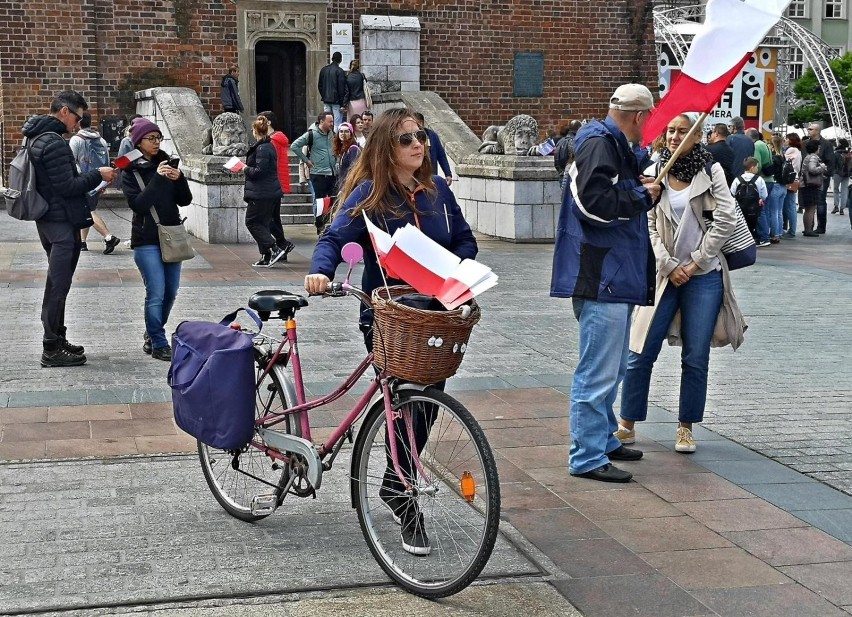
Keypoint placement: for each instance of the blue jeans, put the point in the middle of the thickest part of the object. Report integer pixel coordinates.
(841, 188)
(763, 223)
(604, 333)
(334, 109)
(162, 281)
(774, 208)
(698, 301)
(789, 212)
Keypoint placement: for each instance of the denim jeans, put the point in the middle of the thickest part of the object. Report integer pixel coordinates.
(161, 286)
(763, 223)
(698, 301)
(774, 208)
(604, 334)
(841, 188)
(789, 212)
(334, 109)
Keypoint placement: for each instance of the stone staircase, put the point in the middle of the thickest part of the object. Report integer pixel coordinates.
(297, 207)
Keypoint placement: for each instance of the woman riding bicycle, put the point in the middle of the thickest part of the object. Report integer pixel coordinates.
(392, 183)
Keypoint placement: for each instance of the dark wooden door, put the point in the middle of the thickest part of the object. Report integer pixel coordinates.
(280, 84)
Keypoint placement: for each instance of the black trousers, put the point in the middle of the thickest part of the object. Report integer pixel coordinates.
(822, 205)
(324, 186)
(275, 226)
(259, 215)
(61, 242)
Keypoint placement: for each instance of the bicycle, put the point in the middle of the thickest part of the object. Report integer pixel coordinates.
(445, 490)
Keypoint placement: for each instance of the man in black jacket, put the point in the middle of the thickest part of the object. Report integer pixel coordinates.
(332, 88)
(722, 152)
(64, 188)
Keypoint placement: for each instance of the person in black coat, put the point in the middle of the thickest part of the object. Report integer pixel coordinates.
(64, 188)
(332, 88)
(262, 194)
(721, 151)
(152, 184)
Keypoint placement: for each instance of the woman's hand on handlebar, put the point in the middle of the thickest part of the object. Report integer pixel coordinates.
(316, 283)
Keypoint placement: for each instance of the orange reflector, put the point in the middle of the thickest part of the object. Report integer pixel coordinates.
(468, 487)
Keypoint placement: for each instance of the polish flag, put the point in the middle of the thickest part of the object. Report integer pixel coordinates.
(322, 206)
(731, 31)
(123, 162)
(234, 164)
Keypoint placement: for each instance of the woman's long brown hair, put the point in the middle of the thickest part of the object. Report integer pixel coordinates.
(340, 146)
(378, 163)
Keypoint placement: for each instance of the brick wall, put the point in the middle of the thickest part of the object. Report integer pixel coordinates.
(107, 49)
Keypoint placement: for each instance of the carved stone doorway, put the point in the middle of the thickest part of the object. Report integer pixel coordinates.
(280, 84)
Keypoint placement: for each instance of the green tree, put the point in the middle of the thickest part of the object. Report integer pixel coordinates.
(808, 90)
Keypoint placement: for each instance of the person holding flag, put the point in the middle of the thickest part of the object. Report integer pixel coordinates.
(392, 184)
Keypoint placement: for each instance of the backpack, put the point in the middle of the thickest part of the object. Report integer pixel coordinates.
(775, 166)
(747, 196)
(563, 154)
(95, 155)
(23, 201)
(788, 173)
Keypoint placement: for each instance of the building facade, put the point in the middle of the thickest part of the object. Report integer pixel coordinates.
(489, 59)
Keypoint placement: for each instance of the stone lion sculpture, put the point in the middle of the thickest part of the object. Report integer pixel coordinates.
(227, 137)
(519, 137)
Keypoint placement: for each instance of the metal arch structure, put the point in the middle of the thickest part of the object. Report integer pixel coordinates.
(785, 35)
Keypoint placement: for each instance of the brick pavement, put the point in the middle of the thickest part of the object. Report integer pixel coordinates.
(727, 531)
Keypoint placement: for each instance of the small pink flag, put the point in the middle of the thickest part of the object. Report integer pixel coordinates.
(234, 165)
(123, 162)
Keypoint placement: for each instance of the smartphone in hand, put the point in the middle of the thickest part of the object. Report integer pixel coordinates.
(174, 162)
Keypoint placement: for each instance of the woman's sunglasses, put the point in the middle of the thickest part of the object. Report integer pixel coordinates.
(406, 139)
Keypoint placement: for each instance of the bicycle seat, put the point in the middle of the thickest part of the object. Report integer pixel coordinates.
(269, 300)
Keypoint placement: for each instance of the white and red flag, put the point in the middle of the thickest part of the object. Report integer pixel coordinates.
(413, 257)
(322, 206)
(123, 162)
(731, 31)
(234, 164)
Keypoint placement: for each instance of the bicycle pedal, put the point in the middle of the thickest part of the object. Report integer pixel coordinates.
(263, 504)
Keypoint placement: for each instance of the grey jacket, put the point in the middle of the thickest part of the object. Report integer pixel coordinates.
(321, 152)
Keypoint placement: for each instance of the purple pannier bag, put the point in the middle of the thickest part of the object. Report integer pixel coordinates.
(212, 378)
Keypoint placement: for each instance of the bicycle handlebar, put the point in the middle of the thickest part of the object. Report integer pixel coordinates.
(338, 290)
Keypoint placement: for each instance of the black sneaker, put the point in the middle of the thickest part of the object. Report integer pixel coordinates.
(84, 247)
(162, 353)
(413, 534)
(109, 245)
(263, 262)
(287, 247)
(77, 350)
(276, 255)
(396, 503)
(146, 344)
(61, 357)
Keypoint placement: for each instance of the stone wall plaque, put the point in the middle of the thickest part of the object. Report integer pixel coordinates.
(529, 74)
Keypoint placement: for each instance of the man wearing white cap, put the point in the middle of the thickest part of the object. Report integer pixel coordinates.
(603, 261)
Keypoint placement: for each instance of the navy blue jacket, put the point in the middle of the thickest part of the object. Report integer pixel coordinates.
(439, 216)
(231, 93)
(603, 250)
(437, 154)
(261, 171)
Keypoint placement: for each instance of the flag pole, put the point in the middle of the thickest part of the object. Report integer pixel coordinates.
(680, 148)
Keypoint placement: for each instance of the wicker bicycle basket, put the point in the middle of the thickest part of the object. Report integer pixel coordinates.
(417, 345)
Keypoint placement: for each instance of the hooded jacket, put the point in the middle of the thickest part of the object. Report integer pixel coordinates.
(603, 251)
(282, 149)
(78, 146)
(262, 172)
(57, 178)
(231, 93)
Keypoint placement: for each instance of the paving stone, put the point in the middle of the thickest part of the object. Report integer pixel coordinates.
(838, 523)
(794, 546)
(797, 496)
(739, 515)
(713, 568)
(649, 535)
(787, 600)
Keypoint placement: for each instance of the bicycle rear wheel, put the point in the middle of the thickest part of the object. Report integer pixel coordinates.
(455, 508)
(229, 473)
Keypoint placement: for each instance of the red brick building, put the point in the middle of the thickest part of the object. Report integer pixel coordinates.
(108, 49)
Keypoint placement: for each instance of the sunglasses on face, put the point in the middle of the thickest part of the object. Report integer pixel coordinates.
(406, 139)
(75, 114)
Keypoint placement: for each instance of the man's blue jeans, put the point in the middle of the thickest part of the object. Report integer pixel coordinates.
(789, 212)
(698, 301)
(774, 208)
(162, 281)
(604, 333)
(334, 109)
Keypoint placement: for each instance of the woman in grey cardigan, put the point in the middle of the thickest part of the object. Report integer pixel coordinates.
(694, 304)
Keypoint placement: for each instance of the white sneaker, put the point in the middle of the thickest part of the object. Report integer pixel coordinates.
(684, 441)
(625, 435)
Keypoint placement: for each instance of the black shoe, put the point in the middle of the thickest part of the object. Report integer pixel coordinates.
(61, 357)
(835, 211)
(77, 350)
(84, 246)
(413, 533)
(397, 504)
(819, 231)
(263, 262)
(287, 247)
(109, 245)
(146, 344)
(624, 454)
(275, 256)
(606, 473)
(162, 353)
(810, 234)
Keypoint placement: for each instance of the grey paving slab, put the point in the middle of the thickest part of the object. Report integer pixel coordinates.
(755, 472)
(801, 496)
(113, 533)
(838, 523)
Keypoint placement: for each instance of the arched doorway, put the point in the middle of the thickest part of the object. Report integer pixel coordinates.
(280, 83)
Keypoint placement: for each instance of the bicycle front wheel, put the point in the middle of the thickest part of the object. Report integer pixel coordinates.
(435, 540)
(238, 478)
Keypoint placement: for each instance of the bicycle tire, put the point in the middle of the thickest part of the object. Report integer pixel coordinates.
(235, 490)
(455, 444)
